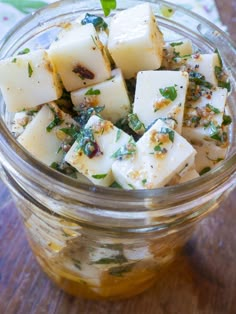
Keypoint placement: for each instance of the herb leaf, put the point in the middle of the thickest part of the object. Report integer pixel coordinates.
(30, 70)
(56, 121)
(169, 92)
(87, 143)
(213, 109)
(120, 270)
(107, 6)
(204, 170)
(125, 151)
(92, 91)
(168, 131)
(116, 259)
(227, 120)
(118, 135)
(135, 124)
(176, 44)
(97, 21)
(72, 131)
(199, 79)
(115, 185)
(24, 51)
(99, 176)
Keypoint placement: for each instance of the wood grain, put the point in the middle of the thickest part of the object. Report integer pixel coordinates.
(202, 281)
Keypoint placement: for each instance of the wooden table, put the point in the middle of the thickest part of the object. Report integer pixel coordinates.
(202, 282)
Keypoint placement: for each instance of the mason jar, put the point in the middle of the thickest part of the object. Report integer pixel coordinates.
(106, 243)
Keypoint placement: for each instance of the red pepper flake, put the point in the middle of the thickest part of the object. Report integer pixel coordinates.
(5, 18)
(196, 56)
(83, 72)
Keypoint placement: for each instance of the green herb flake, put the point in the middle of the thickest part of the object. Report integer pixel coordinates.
(199, 79)
(120, 270)
(87, 143)
(24, 51)
(116, 259)
(99, 176)
(169, 92)
(92, 91)
(14, 60)
(55, 122)
(213, 109)
(107, 6)
(219, 57)
(176, 44)
(30, 70)
(72, 131)
(125, 151)
(118, 135)
(144, 181)
(204, 170)
(135, 124)
(115, 185)
(168, 131)
(227, 120)
(226, 85)
(97, 21)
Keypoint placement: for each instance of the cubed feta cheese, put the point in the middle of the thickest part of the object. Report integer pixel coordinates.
(79, 57)
(209, 107)
(24, 77)
(93, 158)
(161, 154)
(160, 94)
(112, 94)
(176, 49)
(135, 41)
(201, 63)
(41, 136)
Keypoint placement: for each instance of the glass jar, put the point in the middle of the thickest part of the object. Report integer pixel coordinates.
(99, 242)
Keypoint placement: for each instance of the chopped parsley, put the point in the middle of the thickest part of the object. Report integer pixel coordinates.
(118, 135)
(176, 44)
(99, 176)
(65, 169)
(216, 132)
(169, 92)
(55, 122)
(199, 79)
(14, 60)
(116, 259)
(115, 185)
(24, 51)
(135, 124)
(168, 131)
(213, 109)
(87, 143)
(144, 181)
(119, 271)
(226, 85)
(226, 120)
(204, 170)
(84, 113)
(125, 151)
(71, 131)
(97, 21)
(92, 91)
(30, 70)
(107, 6)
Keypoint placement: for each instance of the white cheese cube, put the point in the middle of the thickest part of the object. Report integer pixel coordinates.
(112, 94)
(108, 139)
(44, 144)
(209, 107)
(202, 63)
(79, 57)
(208, 155)
(22, 119)
(150, 104)
(172, 50)
(182, 48)
(135, 41)
(161, 154)
(24, 77)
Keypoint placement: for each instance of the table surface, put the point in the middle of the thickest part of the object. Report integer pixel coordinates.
(203, 280)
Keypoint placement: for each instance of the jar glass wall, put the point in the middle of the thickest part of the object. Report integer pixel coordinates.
(99, 242)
